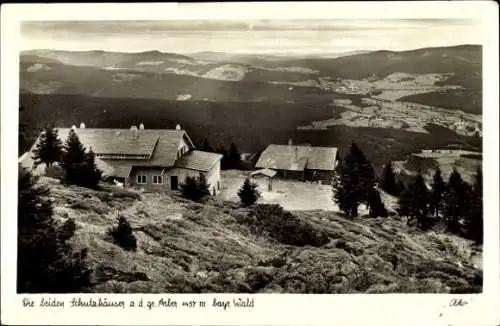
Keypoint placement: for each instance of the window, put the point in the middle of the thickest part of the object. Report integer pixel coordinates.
(141, 179)
(157, 179)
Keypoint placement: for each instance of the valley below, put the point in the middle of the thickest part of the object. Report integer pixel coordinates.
(389, 103)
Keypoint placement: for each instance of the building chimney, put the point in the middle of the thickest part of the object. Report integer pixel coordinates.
(290, 142)
(82, 125)
(178, 127)
(141, 126)
(133, 131)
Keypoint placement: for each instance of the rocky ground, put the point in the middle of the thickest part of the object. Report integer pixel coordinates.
(291, 195)
(222, 247)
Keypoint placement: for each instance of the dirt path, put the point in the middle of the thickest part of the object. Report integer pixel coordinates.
(291, 195)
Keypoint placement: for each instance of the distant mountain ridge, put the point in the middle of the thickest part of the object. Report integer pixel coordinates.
(250, 58)
(456, 59)
(354, 65)
(101, 59)
(154, 74)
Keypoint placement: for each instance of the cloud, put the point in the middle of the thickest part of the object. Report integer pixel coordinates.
(253, 36)
(107, 27)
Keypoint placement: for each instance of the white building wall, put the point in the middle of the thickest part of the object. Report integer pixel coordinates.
(213, 177)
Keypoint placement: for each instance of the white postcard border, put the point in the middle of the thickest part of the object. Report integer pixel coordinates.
(270, 309)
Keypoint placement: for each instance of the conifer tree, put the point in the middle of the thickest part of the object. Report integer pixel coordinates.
(224, 161)
(203, 186)
(437, 193)
(206, 146)
(478, 182)
(400, 187)
(414, 202)
(22, 130)
(388, 180)
(46, 262)
(189, 188)
(123, 234)
(474, 226)
(366, 173)
(49, 149)
(233, 157)
(455, 202)
(68, 229)
(248, 193)
(195, 188)
(345, 191)
(79, 166)
(354, 182)
(405, 203)
(376, 205)
(91, 175)
(73, 158)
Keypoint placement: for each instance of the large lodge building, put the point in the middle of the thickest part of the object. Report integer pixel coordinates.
(154, 159)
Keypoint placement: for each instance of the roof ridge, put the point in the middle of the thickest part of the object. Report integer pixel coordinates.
(141, 130)
(309, 146)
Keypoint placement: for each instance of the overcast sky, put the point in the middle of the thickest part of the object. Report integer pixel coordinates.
(256, 36)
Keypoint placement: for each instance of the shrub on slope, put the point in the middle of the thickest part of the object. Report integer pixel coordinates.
(122, 234)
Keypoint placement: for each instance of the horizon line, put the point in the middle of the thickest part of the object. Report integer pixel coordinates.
(270, 53)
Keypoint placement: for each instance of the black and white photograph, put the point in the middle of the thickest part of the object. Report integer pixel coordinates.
(205, 156)
(250, 156)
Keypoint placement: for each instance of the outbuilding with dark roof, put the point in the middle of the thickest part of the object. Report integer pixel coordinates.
(305, 163)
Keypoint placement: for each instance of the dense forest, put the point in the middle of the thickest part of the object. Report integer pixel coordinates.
(251, 126)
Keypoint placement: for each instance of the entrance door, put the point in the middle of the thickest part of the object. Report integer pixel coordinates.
(174, 182)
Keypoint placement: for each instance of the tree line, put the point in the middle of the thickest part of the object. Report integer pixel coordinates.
(456, 204)
(231, 159)
(77, 162)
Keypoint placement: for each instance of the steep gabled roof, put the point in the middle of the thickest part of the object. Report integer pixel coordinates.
(115, 141)
(297, 158)
(198, 160)
(159, 145)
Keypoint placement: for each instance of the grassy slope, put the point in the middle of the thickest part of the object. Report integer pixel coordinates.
(189, 247)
